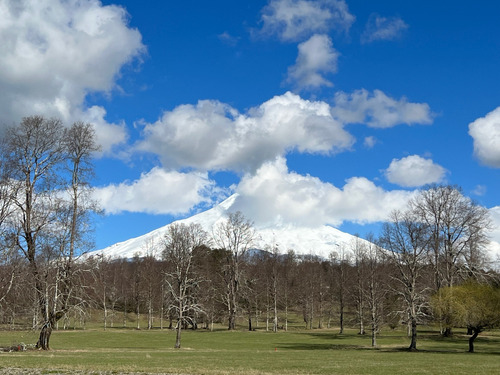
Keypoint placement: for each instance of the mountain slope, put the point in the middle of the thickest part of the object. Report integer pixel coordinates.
(319, 241)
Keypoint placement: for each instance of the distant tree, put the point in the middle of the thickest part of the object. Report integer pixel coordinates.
(181, 241)
(339, 261)
(236, 235)
(376, 285)
(474, 305)
(288, 275)
(407, 240)
(209, 265)
(359, 250)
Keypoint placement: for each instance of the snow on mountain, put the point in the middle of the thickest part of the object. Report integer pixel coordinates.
(319, 241)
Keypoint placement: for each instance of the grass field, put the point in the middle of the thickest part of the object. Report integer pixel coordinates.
(260, 352)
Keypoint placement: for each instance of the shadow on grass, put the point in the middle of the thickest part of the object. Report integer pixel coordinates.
(302, 346)
(429, 343)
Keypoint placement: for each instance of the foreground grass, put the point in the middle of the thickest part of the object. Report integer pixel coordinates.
(241, 352)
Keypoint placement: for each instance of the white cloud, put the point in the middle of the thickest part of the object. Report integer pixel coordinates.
(54, 52)
(370, 142)
(293, 20)
(494, 246)
(480, 190)
(214, 136)
(383, 28)
(157, 192)
(486, 134)
(414, 171)
(377, 110)
(495, 218)
(316, 57)
(276, 196)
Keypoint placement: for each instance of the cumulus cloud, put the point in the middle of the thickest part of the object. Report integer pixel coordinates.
(316, 58)
(214, 136)
(414, 171)
(276, 196)
(54, 52)
(294, 20)
(485, 132)
(383, 28)
(157, 192)
(377, 110)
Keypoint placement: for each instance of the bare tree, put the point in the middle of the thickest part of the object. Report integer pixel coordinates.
(407, 241)
(180, 242)
(8, 251)
(235, 235)
(359, 250)
(459, 233)
(376, 289)
(340, 266)
(47, 224)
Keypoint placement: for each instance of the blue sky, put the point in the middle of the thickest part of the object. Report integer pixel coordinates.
(315, 112)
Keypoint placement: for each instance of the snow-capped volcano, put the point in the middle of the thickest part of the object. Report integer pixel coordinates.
(319, 241)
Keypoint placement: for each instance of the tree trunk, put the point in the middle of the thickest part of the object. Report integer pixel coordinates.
(341, 322)
(476, 332)
(178, 335)
(44, 338)
(413, 344)
(374, 324)
(231, 325)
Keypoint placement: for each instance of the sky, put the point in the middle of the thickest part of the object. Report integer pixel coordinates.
(316, 112)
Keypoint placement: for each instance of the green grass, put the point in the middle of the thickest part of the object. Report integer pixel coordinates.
(242, 352)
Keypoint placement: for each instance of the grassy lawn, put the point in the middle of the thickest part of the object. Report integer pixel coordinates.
(242, 352)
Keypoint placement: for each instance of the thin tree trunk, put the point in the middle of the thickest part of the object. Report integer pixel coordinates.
(178, 335)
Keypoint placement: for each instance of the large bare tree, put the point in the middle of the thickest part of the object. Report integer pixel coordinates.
(407, 241)
(49, 167)
(458, 228)
(236, 236)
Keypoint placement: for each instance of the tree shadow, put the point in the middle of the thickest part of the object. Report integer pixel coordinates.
(456, 344)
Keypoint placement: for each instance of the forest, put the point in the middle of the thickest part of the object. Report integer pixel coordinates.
(428, 265)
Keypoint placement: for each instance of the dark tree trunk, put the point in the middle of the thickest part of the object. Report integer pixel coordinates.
(476, 332)
(44, 338)
(413, 343)
(448, 332)
(231, 325)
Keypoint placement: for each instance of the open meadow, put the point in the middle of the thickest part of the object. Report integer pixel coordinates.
(299, 351)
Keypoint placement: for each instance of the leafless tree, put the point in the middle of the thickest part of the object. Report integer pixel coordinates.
(236, 235)
(48, 224)
(407, 240)
(339, 261)
(376, 285)
(180, 243)
(459, 233)
(359, 252)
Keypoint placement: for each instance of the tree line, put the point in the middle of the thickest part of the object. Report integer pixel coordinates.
(428, 265)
